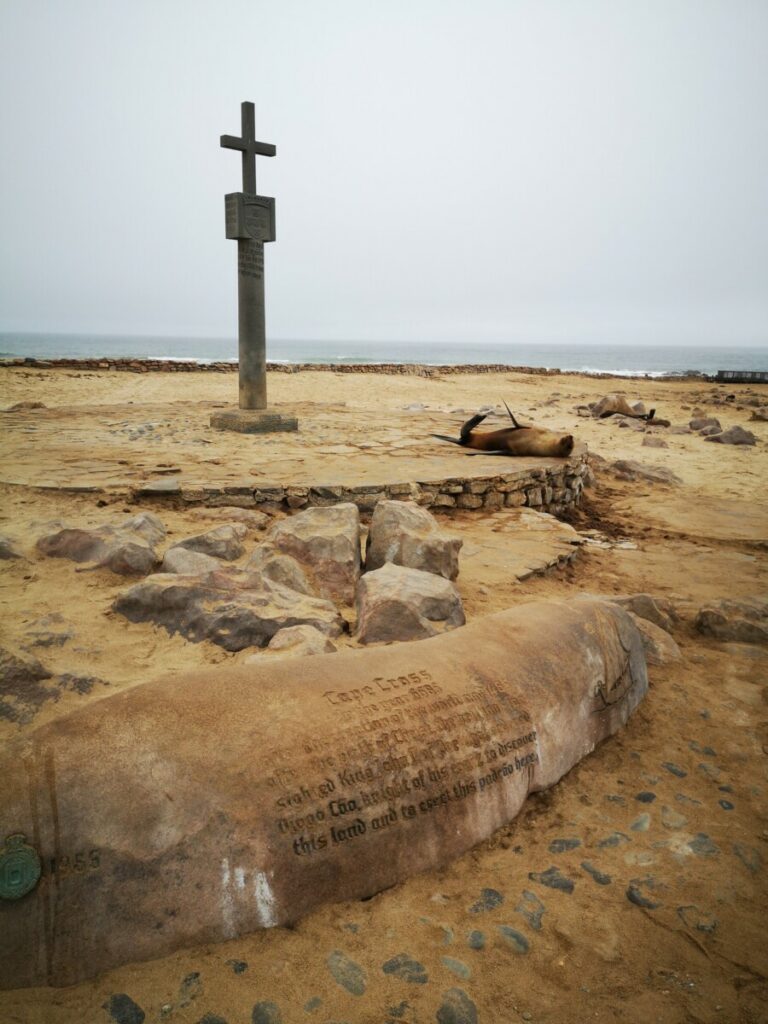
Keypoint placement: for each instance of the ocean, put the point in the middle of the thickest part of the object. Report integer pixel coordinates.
(626, 360)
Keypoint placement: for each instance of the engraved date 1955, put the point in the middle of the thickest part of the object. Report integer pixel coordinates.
(76, 863)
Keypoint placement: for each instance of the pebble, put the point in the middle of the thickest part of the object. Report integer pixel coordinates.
(726, 805)
(749, 857)
(517, 941)
(238, 966)
(476, 940)
(600, 877)
(123, 1010)
(399, 1010)
(190, 988)
(698, 919)
(702, 845)
(457, 967)
(266, 1013)
(562, 845)
(641, 823)
(405, 967)
(313, 1004)
(646, 797)
(671, 819)
(347, 973)
(635, 896)
(553, 879)
(489, 900)
(615, 839)
(456, 1008)
(676, 770)
(532, 909)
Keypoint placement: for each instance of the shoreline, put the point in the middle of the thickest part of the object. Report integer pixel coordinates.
(131, 364)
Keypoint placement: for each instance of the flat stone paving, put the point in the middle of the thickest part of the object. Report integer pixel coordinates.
(124, 447)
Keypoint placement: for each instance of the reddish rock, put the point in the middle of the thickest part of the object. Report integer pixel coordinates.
(128, 549)
(734, 435)
(300, 642)
(395, 603)
(221, 542)
(235, 798)
(743, 621)
(326, 541)
(404, 534)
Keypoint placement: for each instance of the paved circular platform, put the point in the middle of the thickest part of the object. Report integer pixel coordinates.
(170, 451)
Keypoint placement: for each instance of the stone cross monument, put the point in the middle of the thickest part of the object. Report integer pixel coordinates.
(250, 218)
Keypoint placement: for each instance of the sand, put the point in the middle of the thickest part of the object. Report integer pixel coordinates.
(674, 806)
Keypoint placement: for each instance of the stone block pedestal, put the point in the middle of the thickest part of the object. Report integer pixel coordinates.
(253, 421)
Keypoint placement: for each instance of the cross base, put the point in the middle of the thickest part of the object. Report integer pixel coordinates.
(253, 421)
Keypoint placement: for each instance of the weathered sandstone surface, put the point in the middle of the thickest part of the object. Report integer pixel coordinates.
(405, 534)
(197, 808)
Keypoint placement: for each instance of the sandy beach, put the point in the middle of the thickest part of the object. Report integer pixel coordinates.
(675, 803)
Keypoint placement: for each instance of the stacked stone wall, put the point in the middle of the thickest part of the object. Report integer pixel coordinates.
(544, 488)
(128, 365)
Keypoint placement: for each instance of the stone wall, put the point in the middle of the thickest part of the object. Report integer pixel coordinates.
(549, 488)
(191, 366)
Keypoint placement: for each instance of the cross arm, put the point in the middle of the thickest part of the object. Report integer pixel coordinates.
(260, 148)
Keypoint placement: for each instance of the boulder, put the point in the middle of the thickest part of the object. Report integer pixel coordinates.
(232, 514)
(407, 535)
(734, 435)
(283, 569)
(301, 641)
(128, 549)
(744, 621)
(700, 422)
(649, 441)
(396, 603)
(655, 609)
(326, 541)
(188, 563)
(232, 608)
(221, 542)
(628, 469)
(238, 797)
(710, 431)
(761, 415)
(9, 548)
(659, 647)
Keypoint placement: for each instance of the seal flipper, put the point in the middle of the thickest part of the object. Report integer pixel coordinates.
(469, 426)
(650, 416)
(442, 437)
(515, 424)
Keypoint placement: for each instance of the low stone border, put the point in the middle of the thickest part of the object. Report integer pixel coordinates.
(130, 365)
(545, 488)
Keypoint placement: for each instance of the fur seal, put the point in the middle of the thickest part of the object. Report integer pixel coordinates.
(514, 440)
(617, 405)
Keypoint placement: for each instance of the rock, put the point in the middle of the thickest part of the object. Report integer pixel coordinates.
(280, 568)
(23, 406)
(128, 549)
(9, 548)
(347, 973)
(248, 517)
(659, 647)
(396, 603)
(232, 608)
(404, 534)
(649, 441)
(222, 542)
(734, 435)
(710, 431)
(300, 642)
(123, 1010)
(700, 422)
(760, 415)
(327, 542)
(181, 783)
(456, 1008)
(188, 563)
(407, 969)
(743, 621)
(628, 469)
(656, 610)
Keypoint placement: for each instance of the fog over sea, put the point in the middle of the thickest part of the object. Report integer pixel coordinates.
(629, 360)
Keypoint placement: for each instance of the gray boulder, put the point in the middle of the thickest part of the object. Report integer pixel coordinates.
(397, 603)
(744, 621)
(128, 549)
(301, 642)
(221, 542)
(734, 435)
(325, 541)
(9, 548)
(702, 422)
(188, 563)
(628, 469)
(407, 535)
(656, 610)
(659, 647)
(232, 608)
(280, 568)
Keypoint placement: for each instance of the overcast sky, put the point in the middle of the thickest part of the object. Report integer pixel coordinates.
(482, 170)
